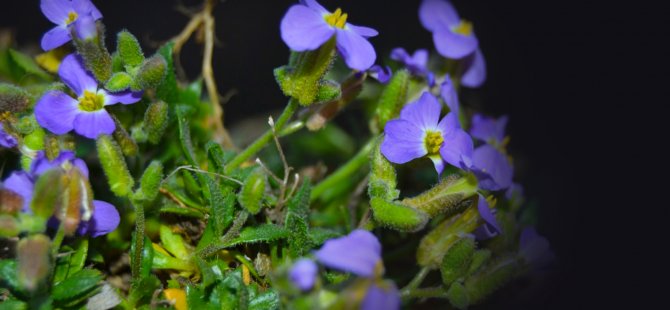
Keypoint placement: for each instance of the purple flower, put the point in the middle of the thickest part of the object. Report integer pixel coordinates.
(359, 253)
(492, 168)
(490, 228)
(6, 140)
(417, 63)
(418, 133)
(475, 70)
(308, 25)
(64, 13)
(381, 298)
(453, 36)
(303, 274)
(60, 113)
(488, 129)
(105, 217)
(381, 74)
(450, 95)
(535, 249)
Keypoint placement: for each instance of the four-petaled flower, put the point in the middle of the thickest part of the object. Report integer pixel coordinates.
(65, 13)
(417, 63)
(60, 113)
(418, 133)
(105, 217)
(308, 25)
(454, 39)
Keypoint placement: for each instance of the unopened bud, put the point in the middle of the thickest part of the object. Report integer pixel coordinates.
(118, 82)
(445, 197)
(115, 168)
(251, 193)
(32, 254)
(155, 121)
(151, 73)
(150, 182)
(129, 49)
(125, 141)
(392, 99)
(92, 49)
(397, 216)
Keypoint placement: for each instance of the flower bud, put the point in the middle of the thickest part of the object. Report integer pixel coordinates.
(112, 161)
(150, 182)
(445, 197)
(13, 99)
(150, 74)
(155, 121)
(397, 216)
(456, 261)
(458, 296)
(118, 82)
(494, 276)
(125, 141)
(32, 254)
(129, 49)
(392, 99)
(382, 176)
(250, 196)
(92, 49)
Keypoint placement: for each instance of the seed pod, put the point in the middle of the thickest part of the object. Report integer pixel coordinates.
(251, 193)
(112, 161)
(151, 73)
(445, 197)
(129, 49)
(32, 254)
(155, 121)
(125, 141)
(397, 216)
(13, 99)
(150, 182)
(457, 260)
(118, 82)
(392, 99)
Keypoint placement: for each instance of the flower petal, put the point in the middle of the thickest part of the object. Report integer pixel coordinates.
(491, 226)
(435, 14)
(489, 129)
(457, 148)
(303, 274)
(124, 97)
(535, 249)
(21, 183)
(56, 10)
(403, 141)
(492, 168)
(379, 298)
(452, 45)
(357, 52)
(85, 27)
(54, 38)
(475, 74)
(7, 140)
(423, 113)
(74, 75)
(105, 220)
(363, 31)
(449, 95)
(438, 163)
(400, 54)
(381, 74)
(86, 7)
(358, 253)
(93, 124)
(312, 4)
(304, 29)
(41, 163)
(56, 111)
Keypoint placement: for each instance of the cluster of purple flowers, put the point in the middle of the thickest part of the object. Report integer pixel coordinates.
(358, 253)
(80, 14)
(104, 218)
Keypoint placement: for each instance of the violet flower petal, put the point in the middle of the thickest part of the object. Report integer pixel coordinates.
(21, 183)
(363, 31)
(356, 51)
(403, 141)
(492, 168)
(6, 140)
(56, 11)
(304, 29)
(54, 38)
(535, 249)
(56, 112)
(312, 4)
(490, 226)
(381, 74)
(424, 112)
(41, 163)
(475, 74)
(105, 219)
(86, 7)
(488, 129)
(303, 274)
(85, 27)
(457, 149)
(93, 124)
(438, 162)
(514, 191)
(453, 45)
(435, 14)
(358, 253)
(73, 73)
(124, 97)
(379, 298)
(449, 95)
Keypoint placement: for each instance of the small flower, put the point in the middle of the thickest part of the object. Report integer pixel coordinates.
(417, 63)
(490, 228)
(359, 253)
(492, 168)
(417, 133)
(475, 70)
(453, 36)
(303, 274)
(6, 140)
(64, 13)
(535, 249)
(488, 129)
(308, 25)
(381, 74)
(60, 113)
(105, 217)
(378, 297)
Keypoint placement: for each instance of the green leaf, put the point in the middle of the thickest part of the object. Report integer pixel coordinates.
(24, 65)
(252, 191)
(173, 242)
(77, 285)
(173, 208)
(222, 204)
(72, 262)
(185, 138)
(265, 301)
(8, 275)
(167, 90)
(320, 235)
(147, 255)
(297, 221)
(13, 304)
(456, 261)
(260, 233)
(143, 289)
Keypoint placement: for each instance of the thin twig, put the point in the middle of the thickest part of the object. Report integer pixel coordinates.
(268, 171)
(190, 168)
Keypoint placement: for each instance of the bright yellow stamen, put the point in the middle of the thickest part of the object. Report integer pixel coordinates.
(91, 101)
(4, 115)
(433, 142)
(71, 17)
(463, 28)
(336, 19)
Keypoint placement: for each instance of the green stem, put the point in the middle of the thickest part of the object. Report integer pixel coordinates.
(58, 239)
(428, 292)
(139, 241)
(344, 173)
(257, 145)
(417, 279)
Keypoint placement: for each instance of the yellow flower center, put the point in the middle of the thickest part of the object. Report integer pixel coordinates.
(463, 28)
(71, 17)
(91, 101)
(336, 19)
(433, 142)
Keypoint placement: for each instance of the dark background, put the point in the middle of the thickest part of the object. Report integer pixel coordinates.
(574, 77)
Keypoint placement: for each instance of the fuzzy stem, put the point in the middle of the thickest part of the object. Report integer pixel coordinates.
(139, 241)
(428, 292)
(257, 145)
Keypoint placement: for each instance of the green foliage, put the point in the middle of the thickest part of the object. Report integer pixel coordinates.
(397, 216)
(167, 90)
(150, 182)
(260, 233)
(297, 221)
(445, 197)
(114, 165)
(76, 287)
(252, 191)
(21, 68)
(156, 121)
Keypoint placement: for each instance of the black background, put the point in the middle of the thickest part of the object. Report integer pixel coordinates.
(575, 78)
